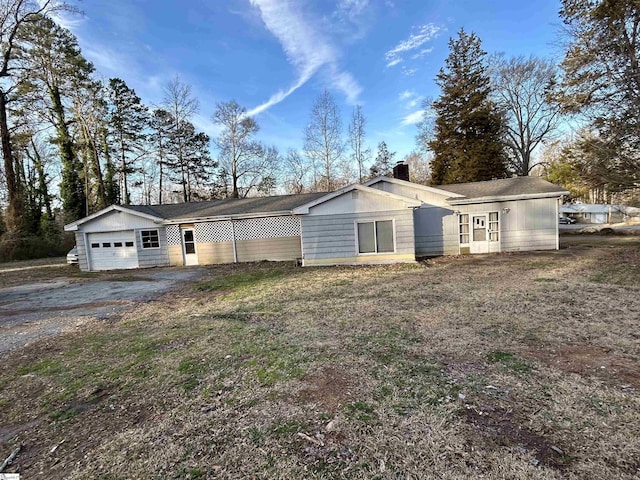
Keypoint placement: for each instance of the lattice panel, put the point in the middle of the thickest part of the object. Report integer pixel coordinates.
(173, 235)
(269, 227)
(213, 232)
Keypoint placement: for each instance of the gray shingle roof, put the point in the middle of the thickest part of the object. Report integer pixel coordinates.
(226, 207)
(505, 187)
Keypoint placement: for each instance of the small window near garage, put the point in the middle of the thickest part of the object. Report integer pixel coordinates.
(376, 237)
(106, 245)
(464, 229)
(150, 239)
(494, 227)
(95, 245)
(128, 244)
(117, 244)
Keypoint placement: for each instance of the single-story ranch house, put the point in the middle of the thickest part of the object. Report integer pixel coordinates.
(382, 221)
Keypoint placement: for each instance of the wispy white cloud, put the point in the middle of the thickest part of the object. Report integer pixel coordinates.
(413, 117)
(410, 99)
(353, 8)
(350, 20)
(66, 19)
(205, 124)
(409, 72)
(407, 94)
(421, 53)
(420, 36)
(306, 48)
(106, 60)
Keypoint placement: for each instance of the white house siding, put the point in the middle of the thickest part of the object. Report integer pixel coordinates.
(118, 221)
(431, 198)
(357, 201)
(153, 257)
(331, 239)
(528, 225)
(436, 231)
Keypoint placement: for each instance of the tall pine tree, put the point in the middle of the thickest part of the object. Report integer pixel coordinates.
(54, 68)
(128, 119)
(467, 142)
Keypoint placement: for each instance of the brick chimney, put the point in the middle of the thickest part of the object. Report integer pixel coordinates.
(401, 171)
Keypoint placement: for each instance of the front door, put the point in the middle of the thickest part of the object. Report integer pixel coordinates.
(479, 234)
(189, 247)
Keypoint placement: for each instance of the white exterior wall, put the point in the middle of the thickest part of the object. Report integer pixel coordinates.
(430, 198)
(122, 221)
(331, 239)
(528, 225)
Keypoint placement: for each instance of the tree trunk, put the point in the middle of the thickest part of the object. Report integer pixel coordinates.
(71, 187)
(43, 189)
(160, 163)
(101, 201)
(123, 166)
(15, 209)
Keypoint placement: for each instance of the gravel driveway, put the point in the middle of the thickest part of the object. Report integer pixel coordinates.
(37, 310)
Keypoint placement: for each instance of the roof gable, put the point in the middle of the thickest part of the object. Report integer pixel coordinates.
(304, 209)
(73, 226)
(416, 186)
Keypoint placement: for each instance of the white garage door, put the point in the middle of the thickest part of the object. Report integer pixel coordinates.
(112, 250)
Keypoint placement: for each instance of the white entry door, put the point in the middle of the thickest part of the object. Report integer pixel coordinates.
(479, 234)
(189, 247)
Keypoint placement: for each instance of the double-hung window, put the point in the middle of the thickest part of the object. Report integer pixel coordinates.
(150, 238)
(376, 237)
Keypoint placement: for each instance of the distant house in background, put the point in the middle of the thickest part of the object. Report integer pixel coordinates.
(593, 213)
(383, 221)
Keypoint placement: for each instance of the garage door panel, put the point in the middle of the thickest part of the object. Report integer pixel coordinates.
(113, 250)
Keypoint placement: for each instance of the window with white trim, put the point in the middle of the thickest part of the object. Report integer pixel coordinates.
(376, 237)
(494, 227)
(464, 229)
(150, 238)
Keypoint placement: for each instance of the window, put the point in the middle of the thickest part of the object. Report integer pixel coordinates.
(494, 227)
(375, 237)
(117, 244)
(464, 229)
(95, 245)
(128, 244)
(150, 239)
(106, 245)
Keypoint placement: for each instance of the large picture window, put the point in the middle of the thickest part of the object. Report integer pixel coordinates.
(376, 237)
(150, 238)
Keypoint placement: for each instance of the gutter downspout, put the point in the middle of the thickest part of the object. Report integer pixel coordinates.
(557, 223)
(233, 241)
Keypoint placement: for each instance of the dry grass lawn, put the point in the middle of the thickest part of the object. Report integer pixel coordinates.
(504, 366)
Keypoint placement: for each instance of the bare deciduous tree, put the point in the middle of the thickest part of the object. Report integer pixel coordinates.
(356, 138)
(323, 140)
(181, 105)
(296, 172)
(246, 162)
(522, 87)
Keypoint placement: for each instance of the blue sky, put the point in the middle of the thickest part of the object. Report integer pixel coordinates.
(275, 56)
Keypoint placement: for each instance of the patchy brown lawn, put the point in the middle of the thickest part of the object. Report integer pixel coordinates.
(503, 366)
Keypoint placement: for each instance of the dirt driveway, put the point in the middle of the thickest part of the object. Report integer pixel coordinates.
(36, 310)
